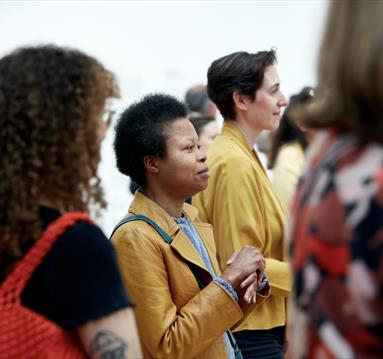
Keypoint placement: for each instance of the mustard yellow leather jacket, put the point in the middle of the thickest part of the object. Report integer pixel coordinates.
(175, 318)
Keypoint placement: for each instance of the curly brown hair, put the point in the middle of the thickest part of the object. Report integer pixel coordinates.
(51, 100)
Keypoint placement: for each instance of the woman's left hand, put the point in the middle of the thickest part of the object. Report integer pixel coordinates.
(251, 282)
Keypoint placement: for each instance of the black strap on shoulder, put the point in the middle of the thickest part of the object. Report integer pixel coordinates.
(139, 217)
(169, 240)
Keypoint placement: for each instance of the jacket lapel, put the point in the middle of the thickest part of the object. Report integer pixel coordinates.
(181, 244)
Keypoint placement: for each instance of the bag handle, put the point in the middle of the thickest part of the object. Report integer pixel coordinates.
(169, 240)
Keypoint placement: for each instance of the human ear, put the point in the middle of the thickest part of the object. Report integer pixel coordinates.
(240, 100)
(151, 164)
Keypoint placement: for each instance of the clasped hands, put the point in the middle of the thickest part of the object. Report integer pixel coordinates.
(245, 270)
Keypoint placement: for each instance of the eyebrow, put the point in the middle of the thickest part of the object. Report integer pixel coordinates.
(192, 139)
(275, 86)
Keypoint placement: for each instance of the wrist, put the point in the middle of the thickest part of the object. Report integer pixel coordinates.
(227, 287)
(231, 277)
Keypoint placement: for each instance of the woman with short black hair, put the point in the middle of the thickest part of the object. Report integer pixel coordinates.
(183, 304)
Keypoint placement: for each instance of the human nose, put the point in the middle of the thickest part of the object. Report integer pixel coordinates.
(282, 101)
(201, 155)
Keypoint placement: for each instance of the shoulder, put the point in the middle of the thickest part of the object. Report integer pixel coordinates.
(290, 159)
(225, 146)
(358, 174)
(229, 157)
(345, 183)
(83, 236)
(135, 236)
(291, 152)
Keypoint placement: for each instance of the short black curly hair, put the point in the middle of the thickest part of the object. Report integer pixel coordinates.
(240, 71)
(141, 131)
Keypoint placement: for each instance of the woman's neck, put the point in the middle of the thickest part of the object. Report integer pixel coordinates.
(168, 203)
(251, 134)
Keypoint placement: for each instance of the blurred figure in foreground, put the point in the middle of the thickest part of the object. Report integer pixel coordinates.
(287, 150)
(61, 293)
(336, 226)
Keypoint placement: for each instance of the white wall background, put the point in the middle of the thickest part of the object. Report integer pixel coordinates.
(167, 46)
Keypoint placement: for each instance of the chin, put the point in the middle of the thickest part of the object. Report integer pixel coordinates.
(274, 126)
(198, 189)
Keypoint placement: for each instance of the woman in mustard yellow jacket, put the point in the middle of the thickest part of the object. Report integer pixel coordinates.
(239, 201)
(184, 306)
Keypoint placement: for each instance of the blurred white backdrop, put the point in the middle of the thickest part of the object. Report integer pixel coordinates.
(167, 46)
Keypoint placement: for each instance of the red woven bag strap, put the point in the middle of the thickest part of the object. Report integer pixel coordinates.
(20, 275)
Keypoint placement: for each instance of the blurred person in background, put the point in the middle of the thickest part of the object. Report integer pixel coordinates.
(61, 293)
(263, 148)
(207, 130)
(184, 305)
(336, 224)
(239, 201)
(287, 155)
(198, 102)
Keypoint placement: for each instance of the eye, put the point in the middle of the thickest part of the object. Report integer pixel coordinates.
(189, 148)
(199, 146)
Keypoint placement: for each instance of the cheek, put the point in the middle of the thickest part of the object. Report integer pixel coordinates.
(184, 164)
(267, 103)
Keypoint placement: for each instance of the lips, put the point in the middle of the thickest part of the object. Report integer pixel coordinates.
(204, 171)
(277, 113)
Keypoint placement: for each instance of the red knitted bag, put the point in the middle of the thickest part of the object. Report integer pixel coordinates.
(23, 332)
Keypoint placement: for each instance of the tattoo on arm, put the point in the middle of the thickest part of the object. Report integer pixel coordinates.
(108, 345)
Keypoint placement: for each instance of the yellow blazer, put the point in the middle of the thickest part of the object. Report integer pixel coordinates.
(175, 318)
(243, 209)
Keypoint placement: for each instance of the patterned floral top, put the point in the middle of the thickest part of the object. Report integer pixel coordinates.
(336, 234)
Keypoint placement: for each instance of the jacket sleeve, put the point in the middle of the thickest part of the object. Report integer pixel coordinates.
(165, 330)
(238, 219)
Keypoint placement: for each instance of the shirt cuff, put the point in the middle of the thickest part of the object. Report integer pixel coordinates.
(227, 287)
(263, 282)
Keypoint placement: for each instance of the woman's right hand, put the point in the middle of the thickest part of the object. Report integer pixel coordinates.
(245, 268)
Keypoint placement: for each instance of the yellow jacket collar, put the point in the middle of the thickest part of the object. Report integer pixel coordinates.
(232, 131)
(143, 205)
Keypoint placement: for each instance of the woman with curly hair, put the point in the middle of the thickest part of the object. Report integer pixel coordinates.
(57, 270)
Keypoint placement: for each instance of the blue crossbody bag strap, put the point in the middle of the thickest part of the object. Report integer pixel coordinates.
(169, 241)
